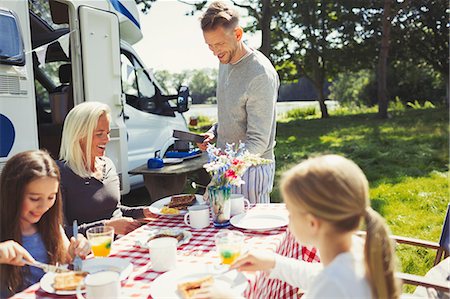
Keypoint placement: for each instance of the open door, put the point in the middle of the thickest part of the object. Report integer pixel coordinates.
(100, 52)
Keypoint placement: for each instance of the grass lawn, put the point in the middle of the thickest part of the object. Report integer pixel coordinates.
(405, 158)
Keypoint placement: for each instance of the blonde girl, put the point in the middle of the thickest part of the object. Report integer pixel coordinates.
(327, 197)
(31, 221)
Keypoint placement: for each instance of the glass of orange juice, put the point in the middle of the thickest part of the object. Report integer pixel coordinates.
(100, 238)
(229, 245)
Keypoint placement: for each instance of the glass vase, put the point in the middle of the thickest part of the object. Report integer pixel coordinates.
(219, 199)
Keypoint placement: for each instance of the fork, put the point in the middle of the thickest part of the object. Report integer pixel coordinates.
(77, 262)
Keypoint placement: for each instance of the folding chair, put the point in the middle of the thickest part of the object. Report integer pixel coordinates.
(442, 250)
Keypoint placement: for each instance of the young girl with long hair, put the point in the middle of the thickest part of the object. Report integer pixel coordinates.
(327, 197)
(31, 220)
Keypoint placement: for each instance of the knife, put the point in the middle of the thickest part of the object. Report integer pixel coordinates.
(46, 267)
(77, 262)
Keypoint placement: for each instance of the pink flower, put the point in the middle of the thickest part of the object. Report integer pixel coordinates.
(237, 162)
(230, 174)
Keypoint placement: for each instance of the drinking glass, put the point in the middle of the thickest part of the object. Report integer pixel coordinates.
(100, 238)
(229, 245)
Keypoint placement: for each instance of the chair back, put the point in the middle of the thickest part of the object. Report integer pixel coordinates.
(444, 241)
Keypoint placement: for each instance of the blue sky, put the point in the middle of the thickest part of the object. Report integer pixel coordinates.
(173, 41)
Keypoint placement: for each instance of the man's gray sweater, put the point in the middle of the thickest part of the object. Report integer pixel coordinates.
(246, 97)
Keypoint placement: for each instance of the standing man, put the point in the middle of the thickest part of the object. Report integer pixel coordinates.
(247, 91)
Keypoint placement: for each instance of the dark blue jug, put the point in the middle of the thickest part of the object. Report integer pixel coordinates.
(155, 162)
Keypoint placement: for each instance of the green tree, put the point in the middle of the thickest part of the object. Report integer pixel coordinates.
(421, 35)
(203, 85)
(311, 37)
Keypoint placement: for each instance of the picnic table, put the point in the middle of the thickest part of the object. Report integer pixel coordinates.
(171, 179)
(198, 251)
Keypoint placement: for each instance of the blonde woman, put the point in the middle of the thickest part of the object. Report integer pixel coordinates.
(327, 197)
(90, 184)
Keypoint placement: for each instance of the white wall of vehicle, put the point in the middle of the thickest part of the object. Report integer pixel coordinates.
(17, 90)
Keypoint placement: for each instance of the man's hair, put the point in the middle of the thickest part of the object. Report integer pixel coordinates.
(219, 14)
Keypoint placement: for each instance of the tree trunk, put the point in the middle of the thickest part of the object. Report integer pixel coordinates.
(382, 61)
(319, 78)
(323, 107)
(266, 18)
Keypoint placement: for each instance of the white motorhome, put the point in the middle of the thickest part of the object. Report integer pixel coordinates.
(55, 54)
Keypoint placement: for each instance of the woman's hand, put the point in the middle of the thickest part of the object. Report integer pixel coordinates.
(12, 253)
(148, 214)
(79, 246)
(123, 225)
(255, 261)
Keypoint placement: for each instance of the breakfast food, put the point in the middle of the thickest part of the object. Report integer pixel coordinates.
(181, 202)
(179, 236)
(68, 281)
(169, 211)
(190, 288)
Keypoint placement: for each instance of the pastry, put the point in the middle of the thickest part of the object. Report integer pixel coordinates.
(68, 281)
(190, 288)
(181, 202)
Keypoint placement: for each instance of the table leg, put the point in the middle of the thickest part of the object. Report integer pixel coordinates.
(159, 186)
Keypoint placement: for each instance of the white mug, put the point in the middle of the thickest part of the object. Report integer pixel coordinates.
(239, 204)
(198, 216)
(104, 284)
(163, 253)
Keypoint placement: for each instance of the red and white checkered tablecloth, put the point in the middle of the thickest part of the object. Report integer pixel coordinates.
(201, 249)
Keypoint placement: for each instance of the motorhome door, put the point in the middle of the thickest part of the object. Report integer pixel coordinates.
(100, 54)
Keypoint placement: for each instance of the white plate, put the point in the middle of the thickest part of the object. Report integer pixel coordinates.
(165, 285)
(142, 241)
(172, 160)
(123, 266)
(259, 221)
(156, 207)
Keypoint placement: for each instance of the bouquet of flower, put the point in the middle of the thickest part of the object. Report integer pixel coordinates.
(227, 167)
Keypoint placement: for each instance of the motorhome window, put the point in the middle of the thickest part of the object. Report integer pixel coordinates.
(42, 97)
(129, 84)
(11, 44)
(146, 87)
(42, 9)
(50, 69)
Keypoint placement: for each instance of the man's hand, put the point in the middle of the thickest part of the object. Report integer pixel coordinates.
(209, 138)
(12, 253)
(123, 225)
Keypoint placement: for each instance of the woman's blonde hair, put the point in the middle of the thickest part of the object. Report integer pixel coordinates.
(336, 190)
(80, 124)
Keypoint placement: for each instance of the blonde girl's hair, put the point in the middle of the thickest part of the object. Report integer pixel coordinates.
(79, 125)
(336, 190)
(18, 172)
(219, 14)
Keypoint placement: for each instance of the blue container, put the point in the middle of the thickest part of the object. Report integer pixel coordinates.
(155, 162)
